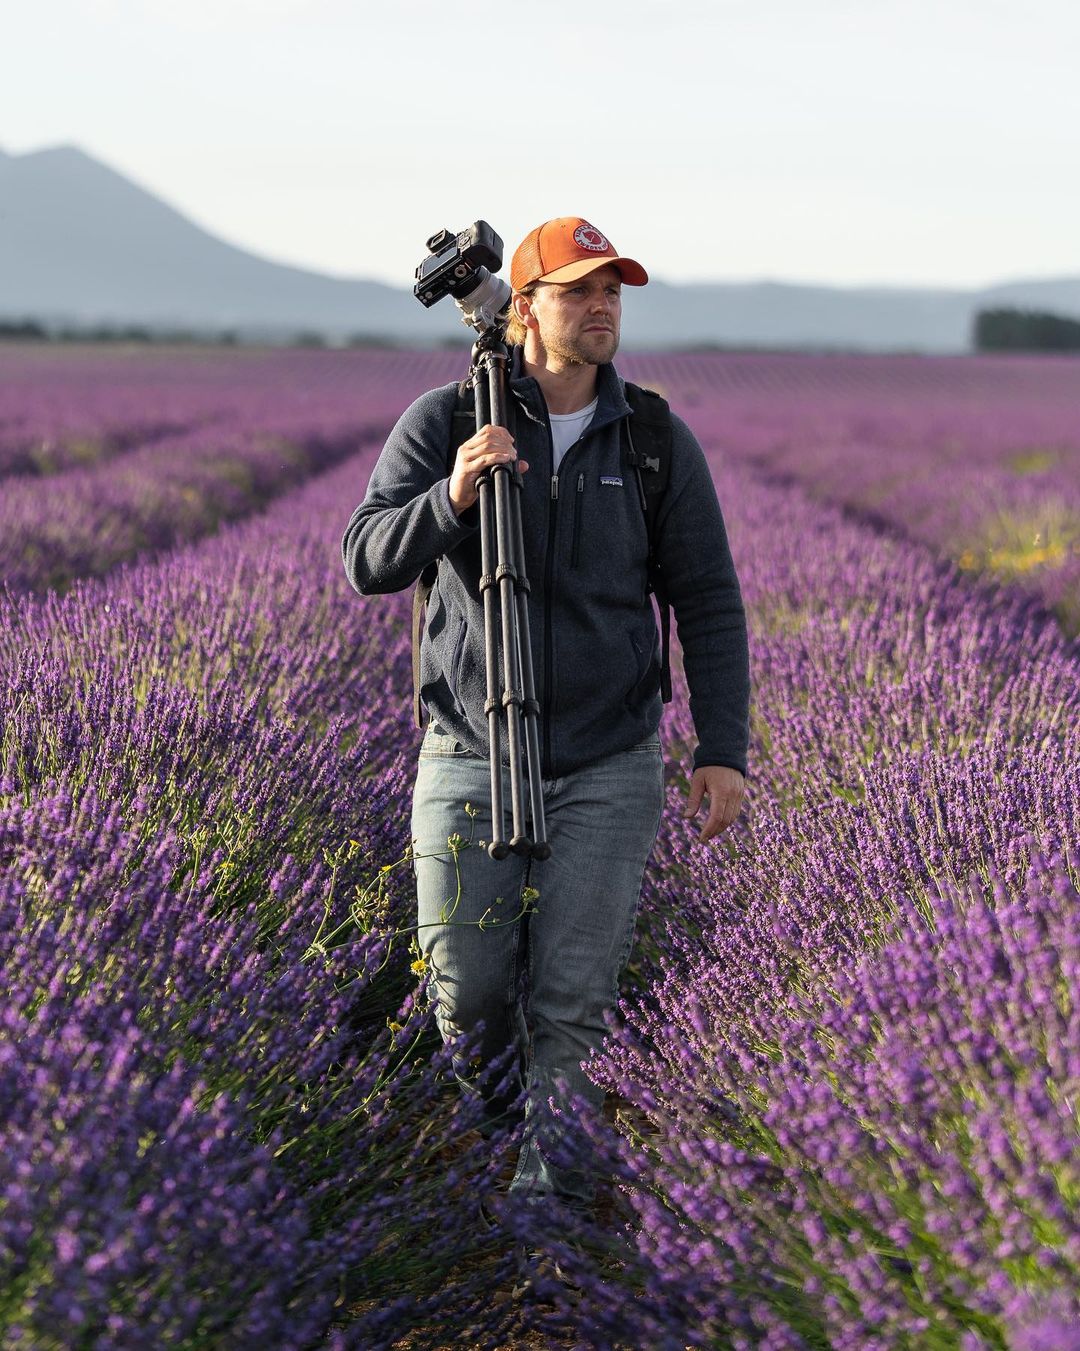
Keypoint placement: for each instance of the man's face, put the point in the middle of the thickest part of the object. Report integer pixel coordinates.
(580, 320)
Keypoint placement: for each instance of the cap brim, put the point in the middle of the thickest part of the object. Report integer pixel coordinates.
(633, 274)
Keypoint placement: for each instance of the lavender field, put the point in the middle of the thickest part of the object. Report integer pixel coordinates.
(845, 1075)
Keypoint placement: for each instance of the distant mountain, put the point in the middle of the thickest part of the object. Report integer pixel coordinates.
(81, 244)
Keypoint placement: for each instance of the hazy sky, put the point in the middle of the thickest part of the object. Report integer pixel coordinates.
(850, 141)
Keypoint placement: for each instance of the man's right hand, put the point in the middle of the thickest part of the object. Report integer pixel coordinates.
(490, 446)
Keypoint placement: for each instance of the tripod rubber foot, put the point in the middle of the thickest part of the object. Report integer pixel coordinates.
(498, 849)
(521, 844)
(541, 851)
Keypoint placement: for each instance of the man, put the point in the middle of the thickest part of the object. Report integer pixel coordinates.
(597, 663)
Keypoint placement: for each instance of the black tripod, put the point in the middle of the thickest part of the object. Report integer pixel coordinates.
(464, 266)
(504, 589)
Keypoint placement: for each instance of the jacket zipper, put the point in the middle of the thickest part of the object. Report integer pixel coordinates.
(549, 665)
(577, 519)
(549, 569)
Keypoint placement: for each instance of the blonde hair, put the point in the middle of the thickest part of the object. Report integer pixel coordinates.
(515, 329)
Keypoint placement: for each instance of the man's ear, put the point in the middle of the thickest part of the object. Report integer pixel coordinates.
(522, 307)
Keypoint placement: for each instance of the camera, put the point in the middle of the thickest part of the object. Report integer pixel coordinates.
(462, 266)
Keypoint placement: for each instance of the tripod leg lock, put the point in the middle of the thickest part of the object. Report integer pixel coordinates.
(487, 580)
(506, 570)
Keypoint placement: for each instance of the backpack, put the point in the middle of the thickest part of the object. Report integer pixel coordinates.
(649, 457)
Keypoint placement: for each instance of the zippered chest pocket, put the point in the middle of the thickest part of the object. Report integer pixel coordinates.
(575, 548)
(604, 503)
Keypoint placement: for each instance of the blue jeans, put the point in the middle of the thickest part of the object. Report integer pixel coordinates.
(539, 981)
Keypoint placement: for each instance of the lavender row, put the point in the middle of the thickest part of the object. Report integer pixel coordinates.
(848, 1069)
(86, 521)
(168, 448)
(884, 1158)
(284, 1139)
(70, 408)
(207, 1141)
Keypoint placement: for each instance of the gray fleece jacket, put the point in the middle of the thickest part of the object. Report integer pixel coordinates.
(595, 646)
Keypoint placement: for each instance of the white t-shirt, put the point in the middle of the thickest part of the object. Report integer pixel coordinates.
(567, 427)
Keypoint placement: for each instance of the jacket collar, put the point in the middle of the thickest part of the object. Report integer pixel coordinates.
(611, 396)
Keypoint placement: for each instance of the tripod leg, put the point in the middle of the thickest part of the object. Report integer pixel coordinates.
(531, 708)
(497, 846)
(506, 571)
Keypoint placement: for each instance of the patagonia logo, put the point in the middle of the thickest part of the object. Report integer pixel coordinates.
(611, 480)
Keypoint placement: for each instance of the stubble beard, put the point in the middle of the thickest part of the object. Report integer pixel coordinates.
(587, 349)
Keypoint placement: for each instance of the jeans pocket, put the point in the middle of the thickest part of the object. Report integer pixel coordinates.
(438, 742)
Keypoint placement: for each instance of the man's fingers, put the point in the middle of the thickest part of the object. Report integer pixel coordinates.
(721, 815)
(480, 456)
(697, 792)
(713, 822)
(488, 440)
(481, 460)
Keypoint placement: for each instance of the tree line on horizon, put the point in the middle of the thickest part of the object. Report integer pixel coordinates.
(1015, 330)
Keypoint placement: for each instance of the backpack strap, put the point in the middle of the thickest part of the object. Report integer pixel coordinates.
(462, 426)
(648, 449)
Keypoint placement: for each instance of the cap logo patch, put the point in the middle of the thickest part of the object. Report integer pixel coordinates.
(589, 237)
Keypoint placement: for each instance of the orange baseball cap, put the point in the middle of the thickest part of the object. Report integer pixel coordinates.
(565, 249)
